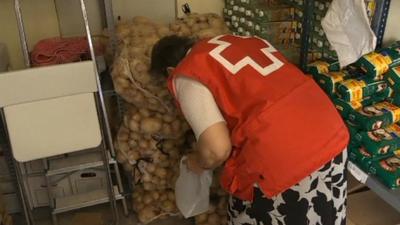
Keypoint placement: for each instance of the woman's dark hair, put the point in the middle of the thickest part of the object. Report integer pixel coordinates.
(168, 52)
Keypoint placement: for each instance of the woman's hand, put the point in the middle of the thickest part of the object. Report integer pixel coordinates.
(193, 164)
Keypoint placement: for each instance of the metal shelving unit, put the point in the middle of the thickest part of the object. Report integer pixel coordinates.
(392, 197)
(379, 21)
(305, 36)
(378, 25)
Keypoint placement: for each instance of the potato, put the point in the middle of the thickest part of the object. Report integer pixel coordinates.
(213, 219)
(136, 193)
(185, 126)
(168, 144)
(168, 118)
(123, 134)
(166, 129)
(155, 195)
(130, 96)
(147, 178)
(121, 158)
(212, 208)
(135, 136)
(147, 214)
(144, 112)
(151, 40)
(195, 28)
(208, 32)
(163, 157)
(126, 121)
(158, 116)
(132, 144)
(165, 164)
(202, 18)
(141, 67)
(123, 146)
(138, 98)
(161, 172)
(222, 203)
(204, 26)
(133, 125)
(121, 82)
(202, 218)
(147, 199)
(127, 167)
(163, 183)
(149, 186)
(184, 31)
(133, 156)
(216, 22)
(136, 117)
(136, 50)
(150, 168)
(176, 126)
(150, 125)
(221, 212)
(177, 25)
(171, 195)
(174, 155)
(139, 206)
(152, 101)
(163, 31)
(143, 77)
(163, 196)
(168, 206)
(156, 181)
(144, 144)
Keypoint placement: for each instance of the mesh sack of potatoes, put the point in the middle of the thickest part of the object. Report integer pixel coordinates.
(6, 218)
(150, 141)
(152, 205)
(199, 26)
(146, 134)
(149, 146)
(136, 86)
(136, 39)
(217, 214)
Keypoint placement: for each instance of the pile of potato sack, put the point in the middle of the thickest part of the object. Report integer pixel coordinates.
(154, 136)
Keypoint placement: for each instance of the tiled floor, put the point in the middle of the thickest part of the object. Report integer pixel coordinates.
(359, 205)
(95, 216)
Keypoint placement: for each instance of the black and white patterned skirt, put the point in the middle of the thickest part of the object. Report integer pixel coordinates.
(319, 199)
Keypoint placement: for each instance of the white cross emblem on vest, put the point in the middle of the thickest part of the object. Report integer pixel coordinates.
(234, 68)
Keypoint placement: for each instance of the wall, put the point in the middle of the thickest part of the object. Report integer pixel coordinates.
(70, 17)
(203, 6)
(392, 28)
(40, 21)
(158, 10)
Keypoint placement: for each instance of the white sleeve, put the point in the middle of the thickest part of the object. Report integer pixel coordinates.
(197, 104)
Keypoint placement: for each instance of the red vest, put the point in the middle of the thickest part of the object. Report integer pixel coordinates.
(283, 127)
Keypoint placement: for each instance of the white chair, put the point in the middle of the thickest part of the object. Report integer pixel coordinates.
(56, 110)
(51, 111)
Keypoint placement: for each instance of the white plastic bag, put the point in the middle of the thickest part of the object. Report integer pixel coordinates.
(347, 28)
(192, 191)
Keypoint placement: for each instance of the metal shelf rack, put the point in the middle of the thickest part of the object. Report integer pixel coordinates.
(378, 25)
(392, 197)
(379, 21)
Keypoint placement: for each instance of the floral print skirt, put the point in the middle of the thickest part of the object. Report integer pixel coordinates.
(319, 199)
